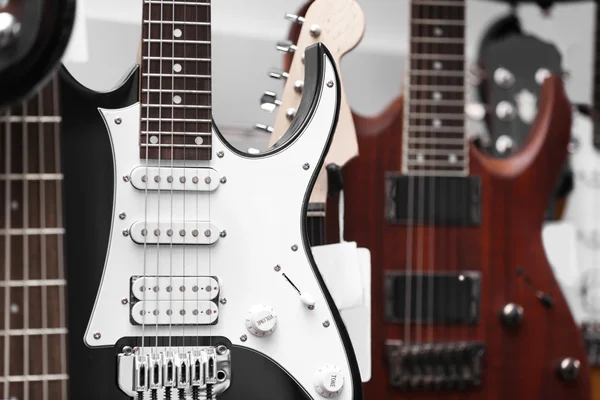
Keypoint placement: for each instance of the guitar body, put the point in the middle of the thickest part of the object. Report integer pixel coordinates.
(27, 61)
(506, 249)
(241, 254)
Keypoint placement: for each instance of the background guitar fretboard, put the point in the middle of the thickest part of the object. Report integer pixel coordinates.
(434, 134)
(32, 284)
(175, 82)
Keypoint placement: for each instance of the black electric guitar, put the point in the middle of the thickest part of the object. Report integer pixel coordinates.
(33, 330)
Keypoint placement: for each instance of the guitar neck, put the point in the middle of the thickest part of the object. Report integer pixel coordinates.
(176, 99)
(32, 283)
(434, 136)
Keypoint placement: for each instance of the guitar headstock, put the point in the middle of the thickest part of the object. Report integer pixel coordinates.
(340, 25)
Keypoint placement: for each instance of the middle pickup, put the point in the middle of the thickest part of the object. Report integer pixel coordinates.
(175, 232)
(193, 288)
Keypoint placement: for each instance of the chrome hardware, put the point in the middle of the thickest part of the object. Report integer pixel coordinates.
(541, 75)
(505, 111)
(182, 370)
(504, 78)
(298, 86)
(315, 31)
(139, 228)
(97, 335)
(294, 18)
(326, 323)
(295, 247)
(511, 315)
(264, 128)
(155, 371)
(286, 46)
(269, 102)
(504, 144)
(278, 74)
(330, 84)
(290, 114)
(169, 375)
(162, 181)
(9, 29)
(568, 368)
(141, 373)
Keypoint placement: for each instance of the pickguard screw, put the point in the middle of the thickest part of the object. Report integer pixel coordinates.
(243, 338)
(295, 247)
(306, 166)
(223, 234)
(118, 121)
(207, 180)
(220, 154)
(127, 350)
(277, 268)
(122, 215)
(124, 300)
(326, 323)
(125, 232)
(330, 84)
(221, 350)
(126, 178)
(97, 335)
(224, 179)
(311, 308)
(207, 233)
(223, 301)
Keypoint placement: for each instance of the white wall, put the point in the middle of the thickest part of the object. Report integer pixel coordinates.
(245, 32)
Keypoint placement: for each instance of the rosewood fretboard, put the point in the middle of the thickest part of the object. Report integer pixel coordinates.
(33, 330)
(175, 82)
(434, 134)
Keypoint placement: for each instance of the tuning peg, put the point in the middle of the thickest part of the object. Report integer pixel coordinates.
(278, 74)
(269, 102)
(294, 18)
(290, 114)
(286, 46)
(298, 86)
(264, 128)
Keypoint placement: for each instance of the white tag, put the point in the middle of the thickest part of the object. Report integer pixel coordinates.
(77, 50)
(340, 267)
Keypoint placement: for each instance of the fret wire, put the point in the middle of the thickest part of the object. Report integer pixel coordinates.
(426, 21)
(175, 41)
(178, 133)
(31, 119)
(177, 146)
(35, 332)
(175, 58)
(177, 76)
(433, 151)
(177, 22)
(426, 115)
(186, 91)
(32, 378)
(436, 141)
(175, 120)
(175, 106)
(438, 103)
(33, 283)
(439, 163)
(31, 177)
(32, 231)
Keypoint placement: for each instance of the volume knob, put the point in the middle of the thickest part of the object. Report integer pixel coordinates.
(329, 381)
(261, 320)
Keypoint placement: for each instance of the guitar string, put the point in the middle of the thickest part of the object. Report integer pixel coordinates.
(25, 224)
(59, 241)
(42, 193)
(7, 252)
(173, 178)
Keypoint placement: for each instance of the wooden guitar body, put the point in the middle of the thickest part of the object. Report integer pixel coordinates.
(520, 362)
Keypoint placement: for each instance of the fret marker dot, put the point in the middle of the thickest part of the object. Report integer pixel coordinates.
(437, 65)
(199, 140)
(14, 205)
(177, 32)
(176, 99)
(452, 159)
(420, 158)
(153, 139)
(14, 308)
(437, 123)
(437, 31)
(437, 95)
(177, 67)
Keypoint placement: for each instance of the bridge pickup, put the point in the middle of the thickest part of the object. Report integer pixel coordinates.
(433, 200)
(178, 179)
(439, 298)
(176, 232)
(174, 312)
(192, 288)
(446, 366)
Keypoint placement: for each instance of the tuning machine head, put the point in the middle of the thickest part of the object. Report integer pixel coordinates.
(264, 128)
(504, 78)
(278, 74)
(286, 46)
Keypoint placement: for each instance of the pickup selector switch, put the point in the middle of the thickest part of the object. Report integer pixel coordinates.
(261, 320)
(329, 381)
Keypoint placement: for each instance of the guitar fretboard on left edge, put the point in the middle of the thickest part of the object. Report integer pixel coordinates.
(176, 101)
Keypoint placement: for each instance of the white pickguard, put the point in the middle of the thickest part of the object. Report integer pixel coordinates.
(261, 209)
(583, 211)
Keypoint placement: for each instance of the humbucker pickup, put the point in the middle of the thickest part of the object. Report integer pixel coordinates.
(178, 179)
(433, 200)
(451, 366)
(174, 232)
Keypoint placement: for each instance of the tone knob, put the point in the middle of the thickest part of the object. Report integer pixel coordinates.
(9, 28)
(261, 320)
(329, 381)
(568, 368)
(511, 314)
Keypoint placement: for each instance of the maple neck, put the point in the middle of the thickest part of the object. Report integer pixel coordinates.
(597, 81)
(434, 135)
(32, 282)
(176, 99)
